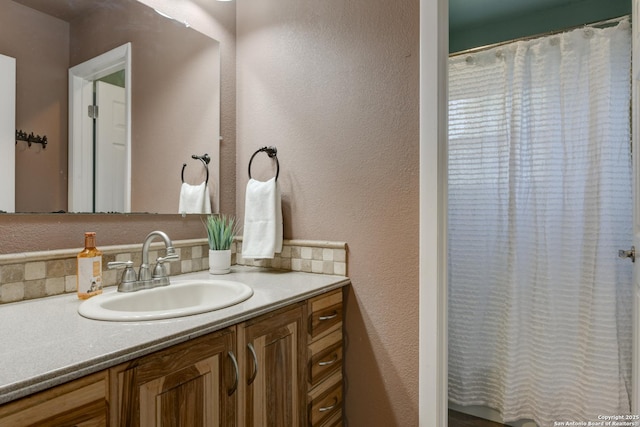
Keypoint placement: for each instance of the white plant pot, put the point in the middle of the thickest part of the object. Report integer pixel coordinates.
(219, 261)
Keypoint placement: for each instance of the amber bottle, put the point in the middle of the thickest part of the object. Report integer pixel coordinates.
(89, 281)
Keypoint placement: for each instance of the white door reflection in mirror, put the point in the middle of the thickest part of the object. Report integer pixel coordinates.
(7, 132)
(110, 148)
(81, 135)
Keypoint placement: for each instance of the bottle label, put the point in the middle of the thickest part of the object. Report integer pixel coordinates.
(89, 276)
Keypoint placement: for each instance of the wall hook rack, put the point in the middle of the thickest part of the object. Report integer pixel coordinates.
(31, 138)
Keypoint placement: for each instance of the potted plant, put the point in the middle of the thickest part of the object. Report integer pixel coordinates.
(221, 230)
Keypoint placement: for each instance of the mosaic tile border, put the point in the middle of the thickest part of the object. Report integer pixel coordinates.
(31, 275)
(309, 256)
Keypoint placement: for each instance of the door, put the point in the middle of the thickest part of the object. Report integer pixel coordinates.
(192, 384)
(110, 149)
(7, 133)
(635, 145)
(271, 354)
(81, 127)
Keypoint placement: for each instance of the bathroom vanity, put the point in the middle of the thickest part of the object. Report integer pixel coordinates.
(274, 359)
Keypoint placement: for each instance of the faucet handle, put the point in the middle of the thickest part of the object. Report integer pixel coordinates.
(119, 264)
(170, 257)
(128, 282)
(160, 272)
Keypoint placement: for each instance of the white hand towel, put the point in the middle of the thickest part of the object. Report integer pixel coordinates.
(194, 199)
(262, 236)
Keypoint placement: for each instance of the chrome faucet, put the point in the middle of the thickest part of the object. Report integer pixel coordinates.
(160, 275)
(146, 279)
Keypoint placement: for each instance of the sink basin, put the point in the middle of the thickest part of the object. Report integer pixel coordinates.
(180, 298)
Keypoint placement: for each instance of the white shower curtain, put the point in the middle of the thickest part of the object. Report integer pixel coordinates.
(539, 203)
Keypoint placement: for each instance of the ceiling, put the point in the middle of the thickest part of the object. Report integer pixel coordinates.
(464, 13)
(66, 10)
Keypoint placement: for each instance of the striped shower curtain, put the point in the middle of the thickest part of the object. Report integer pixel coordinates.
(539, 202)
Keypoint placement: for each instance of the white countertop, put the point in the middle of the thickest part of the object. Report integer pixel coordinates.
(45, 342)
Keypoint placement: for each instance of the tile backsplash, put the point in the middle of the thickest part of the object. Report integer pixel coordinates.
(32, 275)
(310, 256)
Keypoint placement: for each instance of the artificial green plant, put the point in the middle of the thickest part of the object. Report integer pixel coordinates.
(221, 230)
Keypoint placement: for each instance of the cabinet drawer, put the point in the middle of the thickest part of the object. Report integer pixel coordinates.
(325, 400)
(325, 313)
(325, 356)
(81, 402)
(333, 421)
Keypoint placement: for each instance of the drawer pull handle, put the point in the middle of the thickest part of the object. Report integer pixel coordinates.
(333, 315)
(234, 387)
(330, 407)
(333, 360)
(255, 364)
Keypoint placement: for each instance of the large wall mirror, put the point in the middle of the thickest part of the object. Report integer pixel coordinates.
(173, 106)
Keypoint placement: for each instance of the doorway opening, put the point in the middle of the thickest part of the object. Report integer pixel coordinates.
(540, 190)
(100, 141)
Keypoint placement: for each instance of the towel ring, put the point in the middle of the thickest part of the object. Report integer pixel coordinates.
(271, 152)
(205, 159)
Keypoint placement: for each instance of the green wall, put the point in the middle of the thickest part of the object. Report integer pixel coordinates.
(515, 26)
(116, 79)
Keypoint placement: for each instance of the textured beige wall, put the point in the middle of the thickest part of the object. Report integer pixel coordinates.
(334, 85)
(33, 232)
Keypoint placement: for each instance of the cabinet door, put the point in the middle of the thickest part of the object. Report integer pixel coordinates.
(272, 358)
(81, 403)
(191, 384)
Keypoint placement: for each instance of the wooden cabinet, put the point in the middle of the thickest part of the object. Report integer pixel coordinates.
(288, 373)
(81, 403)
(324, 355)
(191, 384)
(272, 356)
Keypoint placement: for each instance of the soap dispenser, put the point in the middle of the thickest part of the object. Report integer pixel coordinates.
(89, 277)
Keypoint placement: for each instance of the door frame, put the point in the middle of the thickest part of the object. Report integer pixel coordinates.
(635, 147)
(81, 77)
(433, 353)
(7, 137)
